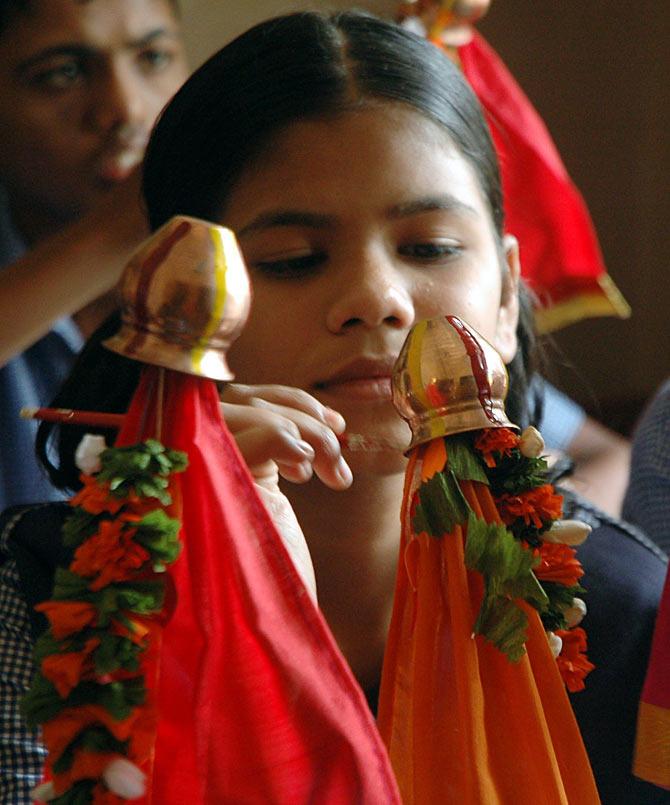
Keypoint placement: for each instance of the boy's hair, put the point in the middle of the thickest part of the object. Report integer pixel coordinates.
(9, 9)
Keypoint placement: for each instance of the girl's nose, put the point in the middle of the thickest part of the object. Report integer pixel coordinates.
(371, 294)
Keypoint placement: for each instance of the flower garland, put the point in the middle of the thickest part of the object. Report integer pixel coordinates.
(90, 693)
(528, 557)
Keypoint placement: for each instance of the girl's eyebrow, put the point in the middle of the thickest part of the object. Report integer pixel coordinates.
(431, 203)
(313, 220)
(279, 218)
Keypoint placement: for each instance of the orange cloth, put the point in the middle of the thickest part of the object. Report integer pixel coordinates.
(463, 723)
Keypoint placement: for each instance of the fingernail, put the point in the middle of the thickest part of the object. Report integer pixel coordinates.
(343, 472)
(305, 448)
(335, 420)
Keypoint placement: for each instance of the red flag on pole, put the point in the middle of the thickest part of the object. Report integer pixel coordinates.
(255, 702)
(560, 256)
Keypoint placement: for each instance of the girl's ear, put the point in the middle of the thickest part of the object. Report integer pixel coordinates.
(508, 315)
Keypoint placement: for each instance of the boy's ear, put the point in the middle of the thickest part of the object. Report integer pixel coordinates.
(508, 315)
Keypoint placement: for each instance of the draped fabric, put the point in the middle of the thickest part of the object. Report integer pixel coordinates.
(462, 722)
(255, 702)
(652, 749)
(560, 255)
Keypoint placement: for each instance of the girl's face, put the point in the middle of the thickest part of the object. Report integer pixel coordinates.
(354, 228)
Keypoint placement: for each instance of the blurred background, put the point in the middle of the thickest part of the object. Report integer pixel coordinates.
(598, 74)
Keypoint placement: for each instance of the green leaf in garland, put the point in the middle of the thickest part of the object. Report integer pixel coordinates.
(141, 597)
(507, 569)
(116, 652)
(560, 599)
(45, 645)
(503, 624)
(504, 563)
(159, 534)
(517, 473)
(78, 526)
(464, 461)
(81, 793)
(441, 505)
(42, 702)
(69, 586)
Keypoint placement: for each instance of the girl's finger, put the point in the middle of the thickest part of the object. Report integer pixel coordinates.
(267, 431)
(288, 397)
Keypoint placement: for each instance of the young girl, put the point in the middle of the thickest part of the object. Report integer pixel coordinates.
(355, 167)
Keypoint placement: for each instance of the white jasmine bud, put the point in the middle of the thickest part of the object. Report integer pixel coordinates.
(125, 779)
(531, 443)
(567, 532)
(575, 614)
(555, 643)
(87, 455)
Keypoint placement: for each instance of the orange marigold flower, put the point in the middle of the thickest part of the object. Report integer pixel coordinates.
(136, 507)
(558, 563)
(110, 554)
(537, 506)
(67, 617)
(61, 730)
(573, 663)
(495, 440)
(95, 497)
(66, 669)
(434, 459)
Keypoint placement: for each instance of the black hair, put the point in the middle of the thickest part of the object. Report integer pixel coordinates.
(294, 67)
(298, 66)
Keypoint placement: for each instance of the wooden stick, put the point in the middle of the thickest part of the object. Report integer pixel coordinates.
(66, 416)
(354, 442)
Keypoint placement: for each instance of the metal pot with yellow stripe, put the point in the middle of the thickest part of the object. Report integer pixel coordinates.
(185, 299)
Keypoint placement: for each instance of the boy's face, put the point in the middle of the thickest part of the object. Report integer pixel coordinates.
(81, 84)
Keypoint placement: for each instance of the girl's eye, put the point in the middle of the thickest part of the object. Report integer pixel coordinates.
(291, 267)
(430, 251)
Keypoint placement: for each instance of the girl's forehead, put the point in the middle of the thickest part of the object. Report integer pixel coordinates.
(378, 155)
(378, 121)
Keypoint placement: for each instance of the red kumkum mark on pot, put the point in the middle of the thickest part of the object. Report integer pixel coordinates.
(478, 364)
(149, 268)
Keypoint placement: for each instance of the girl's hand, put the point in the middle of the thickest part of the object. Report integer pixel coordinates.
(285, 432)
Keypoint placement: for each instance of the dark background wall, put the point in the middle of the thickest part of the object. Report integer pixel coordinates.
(599, 73)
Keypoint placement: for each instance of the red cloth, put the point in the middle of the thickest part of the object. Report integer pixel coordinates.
(560, 255)
(256, 703)
(652, 750)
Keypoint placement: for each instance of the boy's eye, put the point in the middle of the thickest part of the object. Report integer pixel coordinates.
(430, 250)
(59, 76)
(290, 267)
(155, 59)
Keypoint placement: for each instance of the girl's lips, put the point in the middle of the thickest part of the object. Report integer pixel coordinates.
(359, 388)
(365, 378)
